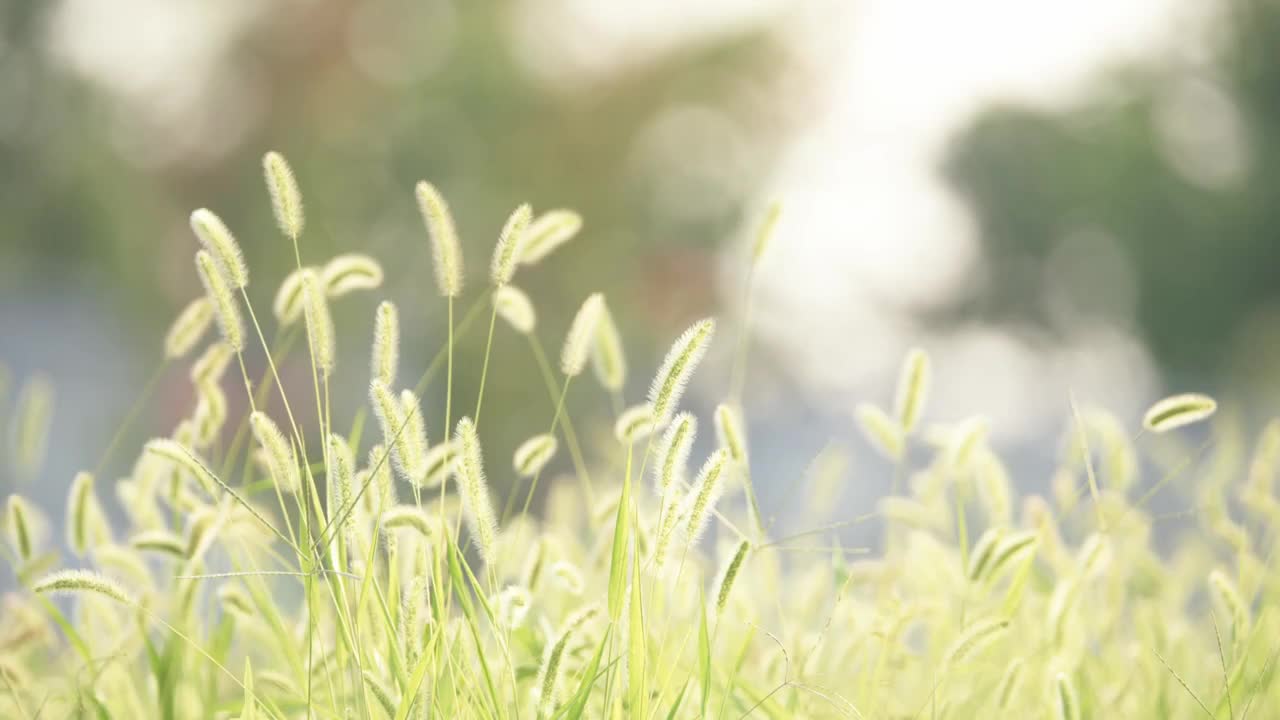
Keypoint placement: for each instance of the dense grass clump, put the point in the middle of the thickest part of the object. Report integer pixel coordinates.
(281, 566)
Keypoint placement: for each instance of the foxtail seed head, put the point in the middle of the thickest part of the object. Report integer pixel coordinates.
(730, 433)
(1177, 411)
(514, 307)
(320, 332)
(505, 254)
(386, 343)
(218, 240)
(534, 454)
(767, 228)
(445, 250)
(673, 452)
(573, 357)
(286, 199)
(706, 491)
(476, 504)
(548, 232)
(607, 358)
(913, 389)
(349, 272)
(71, 582)
(681, 360)
(188, 328)
(282, 461)
(729, 574)
(287, 305)
(225, 308)
(634, 424)
(880, 430)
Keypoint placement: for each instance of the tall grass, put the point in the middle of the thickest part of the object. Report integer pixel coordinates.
(265, 573)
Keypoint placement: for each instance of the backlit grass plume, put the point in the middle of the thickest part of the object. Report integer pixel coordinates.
(225, 306)
(286, 199)
(683, 358)
(245, 564)
(446, 252)
(577, 344)
(476, 503)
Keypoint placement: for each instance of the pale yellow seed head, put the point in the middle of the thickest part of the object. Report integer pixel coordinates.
(505, 254)
(286, 199)
(445, 249)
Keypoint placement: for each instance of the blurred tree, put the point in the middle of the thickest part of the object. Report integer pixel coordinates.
(106, 145)
(1164, 179)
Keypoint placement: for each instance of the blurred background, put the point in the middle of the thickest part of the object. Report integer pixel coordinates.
(1049, 197)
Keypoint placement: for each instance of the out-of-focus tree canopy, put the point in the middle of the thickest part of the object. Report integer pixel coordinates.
(1152, 203)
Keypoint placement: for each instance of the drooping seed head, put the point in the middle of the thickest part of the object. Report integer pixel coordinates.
(212, 363)
(678, 366)
(440, 462)
(286, 199)
(548, 232)
(513, 606)
(320, 332)
(534, 454)
(221, 244)
(72, 582)
(634, 424)
(506, 253)
(913, 389)
(1177, 411)
(185, 459)
(514, 307)
(445, 250)
(187, 329)
(476, 504)
(288, 303)
(577, 344)
(349, 272)
(282, 460)
(975, 639)
(568, 577)
(226, 311)
(386, 343)
(607, 357)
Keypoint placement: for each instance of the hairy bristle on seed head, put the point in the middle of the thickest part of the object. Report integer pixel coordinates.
(706, 491)
(577, 343)
(673, 452)
(548, 232)
(288, 302)
(350, 272)
(678, 366)
(729, 432)
(71, 582)
(913, 389)
(445, 250)
(225, 308)
(320, 332)
(505, 254)
(607, 357)
(188, 328)
(729, 574)
(286, 199)
(534, 454)
(476, 504)
(634, 424)
(221, 244)
(514, 307)
(386, 343)
(282, 461)
(1177, 411)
